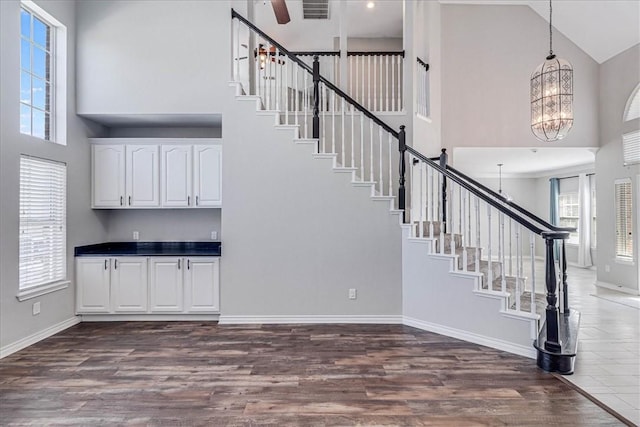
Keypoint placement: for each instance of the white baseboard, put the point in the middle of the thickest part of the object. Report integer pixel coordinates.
(498, 344)
(618, 288)
(148, 317)
(38, 336)
(317, 319)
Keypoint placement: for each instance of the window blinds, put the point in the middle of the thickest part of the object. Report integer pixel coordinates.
(624, 219)
(43, 231)
(631, 147)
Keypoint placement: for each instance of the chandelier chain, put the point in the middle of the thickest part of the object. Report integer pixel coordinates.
(550, 29)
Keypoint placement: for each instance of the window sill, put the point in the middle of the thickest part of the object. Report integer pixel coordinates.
(625, 261)
(36, 291)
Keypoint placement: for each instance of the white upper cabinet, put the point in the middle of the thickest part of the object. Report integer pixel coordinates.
(142, 176)
(154, 173)
(208, 175)
(108, 180)
(177, 169)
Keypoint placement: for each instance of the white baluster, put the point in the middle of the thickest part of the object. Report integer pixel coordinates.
(363, 98)
(342, 156)
(518, 270)
(463, 228)
(362, 146)
(490, 271)
(400, 97)
(386, 88)
(510, 248)
(350, 65)
(381, 184)
(286, 91)
(440, 212)
(278, 82)
(236, 65)
(477, 208)
(371, 150)
(333, 122)
(393, 83)
(452, 243)
(369, 82)
(422, 195)
(375, 83)
(411, 207)
(532, 246)
(323, 108)
(353, 137)
(390, 167)
(503, 271)
(431, 196)
(305, 102)
(296, 101)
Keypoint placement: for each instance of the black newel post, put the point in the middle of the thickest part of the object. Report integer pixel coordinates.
(402, 147)
(316, 100)
(552, 343)
(565, 291)
(443, 165)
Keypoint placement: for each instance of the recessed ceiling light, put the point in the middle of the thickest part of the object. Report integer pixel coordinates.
(371, 5)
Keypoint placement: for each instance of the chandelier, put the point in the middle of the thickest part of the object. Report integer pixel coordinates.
(552, 95)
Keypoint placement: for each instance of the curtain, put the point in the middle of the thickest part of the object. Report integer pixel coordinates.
(554, 215)
(584, 224)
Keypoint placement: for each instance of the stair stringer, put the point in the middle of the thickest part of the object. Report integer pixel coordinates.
(439, 299)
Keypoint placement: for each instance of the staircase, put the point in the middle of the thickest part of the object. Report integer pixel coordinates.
(470, 266)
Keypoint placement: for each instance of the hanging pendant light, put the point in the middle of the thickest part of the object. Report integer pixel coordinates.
(552, 95)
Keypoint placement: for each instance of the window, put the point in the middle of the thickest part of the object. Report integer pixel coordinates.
(631, 129)
(624, 219)
(594, 217)
(633, 105)
(42, 74)
(43, 197)
(631, 147)
(569, 210)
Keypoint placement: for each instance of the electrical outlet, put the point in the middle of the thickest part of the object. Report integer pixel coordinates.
(36, 308)
(352, 293)
(214, 235)
(136, 235)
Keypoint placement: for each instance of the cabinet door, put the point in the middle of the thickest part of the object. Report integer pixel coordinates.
(108, 175)
(129, 284)
(176, 175)
(202, 285)
(143, 173)
(165, 284)
(207, 178)
(92, 285)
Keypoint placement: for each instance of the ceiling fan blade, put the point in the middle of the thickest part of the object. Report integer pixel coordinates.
(281, 11)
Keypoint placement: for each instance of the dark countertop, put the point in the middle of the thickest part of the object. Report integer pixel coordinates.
(150, 249)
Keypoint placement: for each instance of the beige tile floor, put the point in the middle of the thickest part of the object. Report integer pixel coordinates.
(608, 361)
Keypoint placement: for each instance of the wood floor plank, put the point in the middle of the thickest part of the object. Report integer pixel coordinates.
(204, 374)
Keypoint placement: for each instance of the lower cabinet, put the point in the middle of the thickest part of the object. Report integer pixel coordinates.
(137, 285)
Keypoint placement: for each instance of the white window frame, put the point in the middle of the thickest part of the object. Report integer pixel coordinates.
(42, 236)
(574, 237)
(623, 258)
(58, 74)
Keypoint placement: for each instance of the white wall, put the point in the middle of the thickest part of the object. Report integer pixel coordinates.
(83, 225)
(488, 55)
(139, 56)
(163, 224)
(618, 77)
(427, 40)
(297, 236)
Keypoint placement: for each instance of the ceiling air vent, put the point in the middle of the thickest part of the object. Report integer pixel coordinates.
(315, 9)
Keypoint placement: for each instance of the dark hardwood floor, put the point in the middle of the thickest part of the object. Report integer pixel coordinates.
(194, 373)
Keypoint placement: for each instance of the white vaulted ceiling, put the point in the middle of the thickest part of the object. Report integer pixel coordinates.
(602, 28)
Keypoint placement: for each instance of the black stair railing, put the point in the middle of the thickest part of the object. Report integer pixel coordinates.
(327, 101)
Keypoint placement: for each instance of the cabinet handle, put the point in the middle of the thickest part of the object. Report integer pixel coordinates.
(178, 264)
(106, 264)
(188, 200)
(197, 200)
(129, 200)
(188, 264)
(115, 264)
(121, 201)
